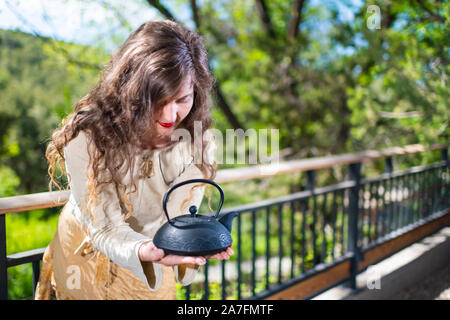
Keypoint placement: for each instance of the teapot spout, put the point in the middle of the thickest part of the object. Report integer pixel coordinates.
(227, 220)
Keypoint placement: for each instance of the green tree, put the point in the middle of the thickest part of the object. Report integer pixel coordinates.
(327, 82)
(40, 80)
(398, 93)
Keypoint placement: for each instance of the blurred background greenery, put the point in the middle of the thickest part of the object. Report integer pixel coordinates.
(312, 69)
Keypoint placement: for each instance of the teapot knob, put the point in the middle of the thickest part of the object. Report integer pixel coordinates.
(193, 210)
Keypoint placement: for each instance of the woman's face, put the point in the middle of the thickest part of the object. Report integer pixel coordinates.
(169, 117)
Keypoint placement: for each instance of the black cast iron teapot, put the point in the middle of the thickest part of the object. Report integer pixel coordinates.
(193, 234)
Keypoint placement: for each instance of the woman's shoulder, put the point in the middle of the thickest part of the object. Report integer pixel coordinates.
(78, 146)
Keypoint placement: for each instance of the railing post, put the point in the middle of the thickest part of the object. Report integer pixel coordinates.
(447, 163)
(389, 166)
(445, 155)
(3, 260)
(310, 180)
(388, 210)
(310, 186)
(206, 283)
(36, 265)
(353, 210)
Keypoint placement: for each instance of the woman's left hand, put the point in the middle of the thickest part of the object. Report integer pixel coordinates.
(223, 255)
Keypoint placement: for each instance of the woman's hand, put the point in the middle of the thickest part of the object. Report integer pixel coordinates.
(149, 252)
(223, 255)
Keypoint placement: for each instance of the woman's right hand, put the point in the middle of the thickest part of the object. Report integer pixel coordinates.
(149, 252)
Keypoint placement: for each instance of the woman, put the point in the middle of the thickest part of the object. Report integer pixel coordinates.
(118, 152)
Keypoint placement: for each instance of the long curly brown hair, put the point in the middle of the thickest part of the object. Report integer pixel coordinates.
(145, 73)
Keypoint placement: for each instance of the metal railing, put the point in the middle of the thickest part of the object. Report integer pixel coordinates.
(283, 242)
(306, 233)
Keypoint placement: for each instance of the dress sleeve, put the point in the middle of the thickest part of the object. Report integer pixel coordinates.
(107, 229)
(185, 196)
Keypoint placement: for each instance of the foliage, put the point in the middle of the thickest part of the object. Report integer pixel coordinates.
(337, 85)
(333, 86)
(38, 86)
(326, 81)
(401, 94)
(26, 231)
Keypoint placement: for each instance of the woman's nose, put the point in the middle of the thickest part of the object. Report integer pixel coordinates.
(169, 112)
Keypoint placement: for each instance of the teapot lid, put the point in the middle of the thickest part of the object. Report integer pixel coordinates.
(190, 219)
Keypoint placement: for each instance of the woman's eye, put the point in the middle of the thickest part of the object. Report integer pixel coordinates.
(183, 100)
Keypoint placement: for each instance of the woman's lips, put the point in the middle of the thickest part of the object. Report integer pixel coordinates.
(166, 124)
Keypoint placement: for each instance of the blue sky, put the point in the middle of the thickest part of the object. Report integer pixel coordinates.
(94, 21)
(78, 21)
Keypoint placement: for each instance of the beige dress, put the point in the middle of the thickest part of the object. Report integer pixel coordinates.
(95, 255)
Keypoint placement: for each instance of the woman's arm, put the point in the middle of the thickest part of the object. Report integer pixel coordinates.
(186, 270)
(109, 232)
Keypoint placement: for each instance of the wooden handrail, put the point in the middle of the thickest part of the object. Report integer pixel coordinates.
(261, 171)
(59, 198)
(33, 201)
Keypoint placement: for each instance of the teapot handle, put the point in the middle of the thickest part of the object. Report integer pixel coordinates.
(166, 196)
